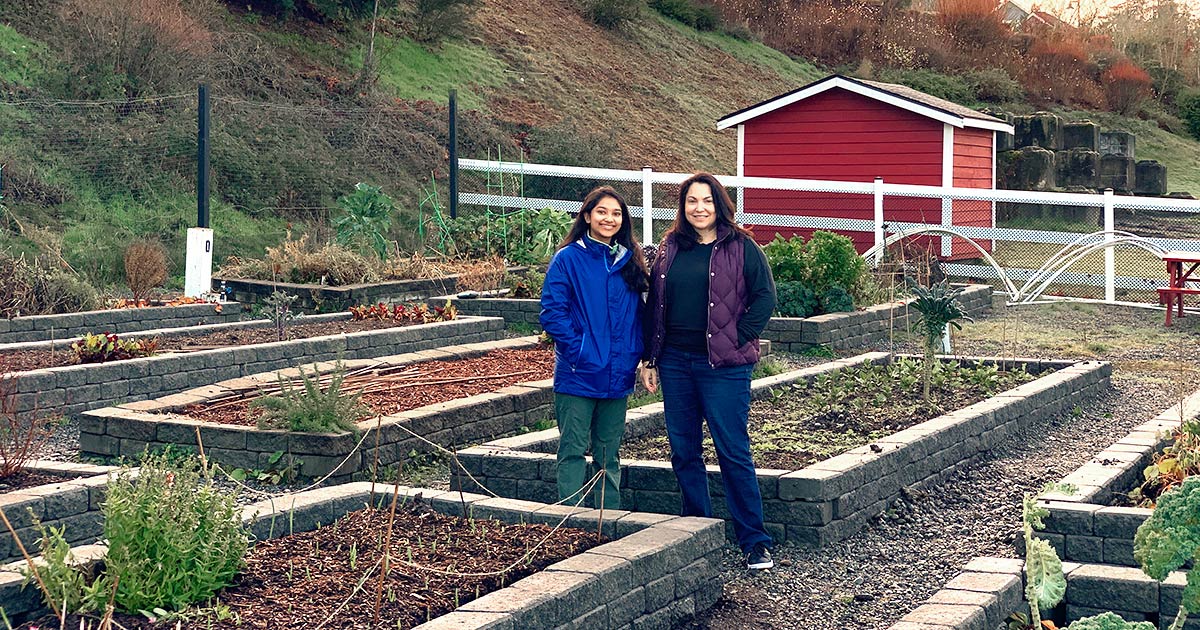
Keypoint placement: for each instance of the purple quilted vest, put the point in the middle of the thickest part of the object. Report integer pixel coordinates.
(726, 301)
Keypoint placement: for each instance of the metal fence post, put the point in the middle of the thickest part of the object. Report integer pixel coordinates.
(1110, 256)
(202, 125)
(647, 206)
(453, 142)
(879, 216)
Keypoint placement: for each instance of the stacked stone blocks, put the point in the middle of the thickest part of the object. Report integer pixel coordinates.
(68, 326)
(73, 504)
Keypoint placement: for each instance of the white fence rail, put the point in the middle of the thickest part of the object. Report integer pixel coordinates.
(1175, 224)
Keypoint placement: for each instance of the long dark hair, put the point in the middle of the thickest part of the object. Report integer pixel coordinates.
(684, 234)
(634, 272)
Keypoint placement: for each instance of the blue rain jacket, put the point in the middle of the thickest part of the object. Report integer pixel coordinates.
(594, 318)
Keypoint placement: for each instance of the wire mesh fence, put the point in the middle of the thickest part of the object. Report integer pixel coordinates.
(1043, 245)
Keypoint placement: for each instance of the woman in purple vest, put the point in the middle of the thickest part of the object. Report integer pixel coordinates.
(711, 295)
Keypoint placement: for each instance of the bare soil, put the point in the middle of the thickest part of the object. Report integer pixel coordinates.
(30, 479)
(489, 372)
(39, 359)
(791, 432)
(299, 581)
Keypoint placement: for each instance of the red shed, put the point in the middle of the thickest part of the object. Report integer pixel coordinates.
(847, 129)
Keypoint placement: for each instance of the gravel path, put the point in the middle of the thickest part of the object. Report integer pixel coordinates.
(879, 575)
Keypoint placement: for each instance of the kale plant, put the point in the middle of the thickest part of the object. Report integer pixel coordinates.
(1169, 539)
(937, 307)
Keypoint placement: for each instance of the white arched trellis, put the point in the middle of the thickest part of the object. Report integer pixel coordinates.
(1044, 276)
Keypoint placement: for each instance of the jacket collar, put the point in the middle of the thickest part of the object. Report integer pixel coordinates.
(591, 245)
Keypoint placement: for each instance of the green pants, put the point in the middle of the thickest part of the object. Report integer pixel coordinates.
(599, 422)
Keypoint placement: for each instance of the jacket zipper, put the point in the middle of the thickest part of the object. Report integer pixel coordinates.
(708, 318)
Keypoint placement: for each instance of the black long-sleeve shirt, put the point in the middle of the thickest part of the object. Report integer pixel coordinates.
(687, 297)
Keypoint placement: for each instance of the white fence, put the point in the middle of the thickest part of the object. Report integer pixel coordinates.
(1023, 229)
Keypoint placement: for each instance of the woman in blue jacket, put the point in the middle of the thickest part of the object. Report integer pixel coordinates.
(592, 308)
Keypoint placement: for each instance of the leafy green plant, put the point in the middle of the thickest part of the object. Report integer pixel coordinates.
(1045, 584)
(786, 259)
(527, 286)
(937, 306)
(109, 347)
(832, 261)
(611, 14)
(367, 216)
(795, 299)
(1189, 111)
(1170, 539)
(835, 299)
(310, 409)
(280, 469)
(174, 539)
(1171, 466)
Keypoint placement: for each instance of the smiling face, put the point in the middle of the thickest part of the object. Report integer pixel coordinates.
(699, 209)
(604, 221)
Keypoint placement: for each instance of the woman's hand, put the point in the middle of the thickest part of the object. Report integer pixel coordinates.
(649, 377)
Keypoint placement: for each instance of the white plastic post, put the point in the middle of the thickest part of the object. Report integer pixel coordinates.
(198, 266)
(879, 217)
(1110, 256)
(647, 206)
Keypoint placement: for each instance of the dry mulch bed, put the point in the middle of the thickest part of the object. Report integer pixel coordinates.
(793, 431)
(298, 581)
(492, 371)
(39, 359)
(32, 478)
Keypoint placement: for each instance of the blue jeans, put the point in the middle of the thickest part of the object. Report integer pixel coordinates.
(694, 391)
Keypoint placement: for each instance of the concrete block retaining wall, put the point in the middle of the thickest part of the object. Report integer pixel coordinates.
(72, 389)
(856, 329)
(657, 572)
(129, 429)
(1082, 526)
(68, 326)
(73, 504)
(829, 500)
(990, 589)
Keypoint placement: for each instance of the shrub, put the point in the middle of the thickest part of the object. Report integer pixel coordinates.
(955, 89)
(366, 217)
(437, 19)
(1189, 111)
(994, 85)
(108, 347)
(973, 24)
(832, 261)
(309, 409)
(482, 275)
(174, 539)
(39, 287)
(612, 14)
(527, 286)
(145, 268)
(295, 260)
(795, 299)
(698, 15)
(786, 258)
(1127, 86)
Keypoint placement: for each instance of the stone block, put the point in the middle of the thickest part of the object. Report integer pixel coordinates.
(1084, 548)
(960, 617)
(1028, 168)
(1150, 178)
(1119, 522)
(653, 552)
(1119, 143)
(1084, 134)
(1117, 172)
(1098, 586)
(1078, 168)
(1041, 129)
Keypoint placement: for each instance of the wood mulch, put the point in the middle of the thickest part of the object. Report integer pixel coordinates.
(30, 479)
(22, 360)
(299, 581)
(422, 384)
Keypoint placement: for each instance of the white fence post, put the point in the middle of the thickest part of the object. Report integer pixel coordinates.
(647, 206)
(1110, 256)
(879, 216)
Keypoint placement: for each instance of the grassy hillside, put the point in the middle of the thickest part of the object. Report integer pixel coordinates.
(297, 123)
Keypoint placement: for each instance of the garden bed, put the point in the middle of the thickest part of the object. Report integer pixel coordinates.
(827, 500)
(990, 589)
(499, 409)
(119, 320)
(657, 572)
(1085, 526)
(325, 298)
(207, 337)
(71, 499)
(856, 329)
(71, 389)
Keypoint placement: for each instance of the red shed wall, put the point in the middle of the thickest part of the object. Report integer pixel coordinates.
(839, 135)
(972, 169)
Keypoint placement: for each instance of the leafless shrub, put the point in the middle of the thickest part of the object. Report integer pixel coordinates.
(145, 268)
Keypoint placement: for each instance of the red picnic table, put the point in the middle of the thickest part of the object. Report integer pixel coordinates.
(1181, 266)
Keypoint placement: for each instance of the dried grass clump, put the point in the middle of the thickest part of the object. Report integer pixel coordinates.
(482, 275)
(38, 287)
(296, 261)
(145, 268)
